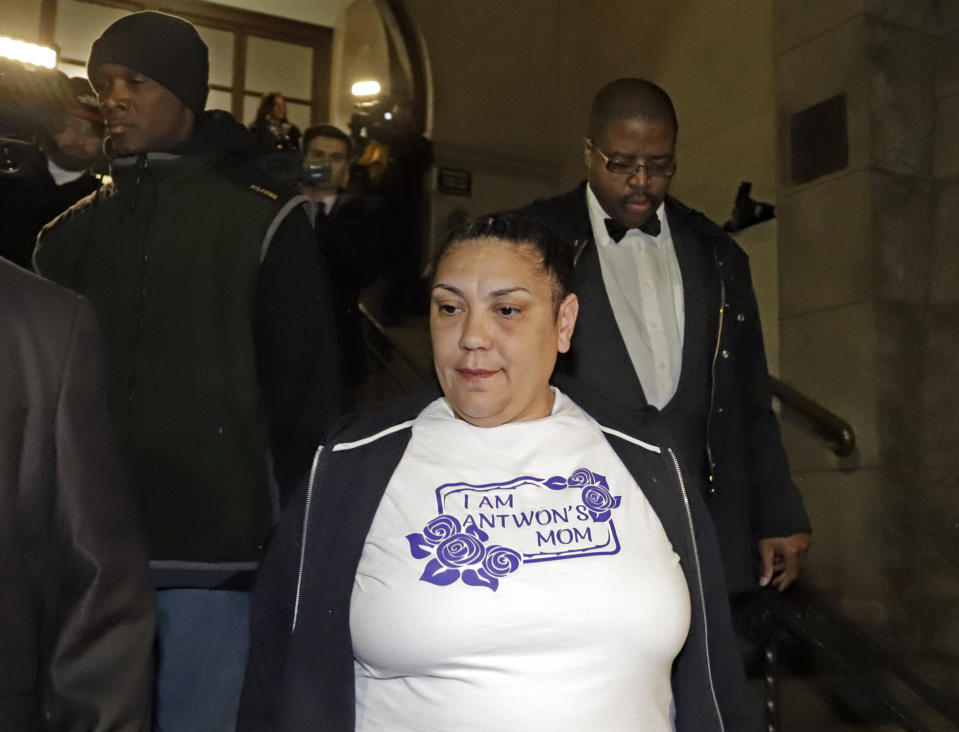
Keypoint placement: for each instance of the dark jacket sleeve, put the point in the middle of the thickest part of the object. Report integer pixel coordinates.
(776, 504)
(726, 679)
(297, 349)
(355, 241)
(739, 710)
(99, 628)
(271, 620)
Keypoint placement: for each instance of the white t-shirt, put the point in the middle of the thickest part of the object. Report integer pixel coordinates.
(515, 578)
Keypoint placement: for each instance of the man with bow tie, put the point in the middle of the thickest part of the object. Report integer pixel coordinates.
(668, 319)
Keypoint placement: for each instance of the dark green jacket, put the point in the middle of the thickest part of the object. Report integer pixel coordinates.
(208, 287)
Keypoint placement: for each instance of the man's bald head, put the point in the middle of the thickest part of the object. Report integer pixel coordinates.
(630, 99)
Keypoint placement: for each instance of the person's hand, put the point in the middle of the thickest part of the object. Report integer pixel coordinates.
(781, 558)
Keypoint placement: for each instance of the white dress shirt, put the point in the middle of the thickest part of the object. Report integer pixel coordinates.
(62, 176)
(313, 206)
(645, 290)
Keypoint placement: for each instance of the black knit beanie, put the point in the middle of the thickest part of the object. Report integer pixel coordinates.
(164, 47)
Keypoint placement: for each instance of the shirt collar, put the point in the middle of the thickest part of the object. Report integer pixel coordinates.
(597, 215)
(62, 176)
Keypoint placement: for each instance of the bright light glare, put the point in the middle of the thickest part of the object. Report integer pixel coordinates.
(28, 53)
(365, 89)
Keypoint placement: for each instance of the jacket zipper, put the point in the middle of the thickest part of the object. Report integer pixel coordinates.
(699, 581)
(712, 379)
(306, 520)
(142, 163)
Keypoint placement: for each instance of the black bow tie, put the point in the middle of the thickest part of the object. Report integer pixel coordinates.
(617, 231)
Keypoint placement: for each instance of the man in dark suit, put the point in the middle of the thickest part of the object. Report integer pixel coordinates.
(351, 234)
(668, 318)
(76, 606)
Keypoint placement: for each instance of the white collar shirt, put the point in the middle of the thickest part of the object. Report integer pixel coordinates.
(645, 290)
(314, 206)
(62, 176)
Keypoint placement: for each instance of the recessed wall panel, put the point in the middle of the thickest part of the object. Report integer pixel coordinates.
(80, 24)
(278, 66)
(220, 44)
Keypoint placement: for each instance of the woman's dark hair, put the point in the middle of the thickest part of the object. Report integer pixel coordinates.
(266, 107)
(514, 228)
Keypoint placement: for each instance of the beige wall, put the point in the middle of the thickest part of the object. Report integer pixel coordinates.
(494, 69)
(21, 19)
(495, 83)
(516, 78)
(715, 60)
(513, 83)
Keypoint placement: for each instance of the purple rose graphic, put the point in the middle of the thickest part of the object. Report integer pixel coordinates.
(599, 501)
(436, 531)
(598, 498)
(581, 477)
(455, 554)
(500, 561)
(440, 529)
(460, 550)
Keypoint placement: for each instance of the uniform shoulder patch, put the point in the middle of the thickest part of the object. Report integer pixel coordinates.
(256, 188)
(245, 173)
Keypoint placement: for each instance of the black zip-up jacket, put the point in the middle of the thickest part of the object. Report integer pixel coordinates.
(220, 340)
(721, 414)
(300, 674)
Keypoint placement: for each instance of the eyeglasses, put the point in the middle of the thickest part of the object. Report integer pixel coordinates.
(653, 168)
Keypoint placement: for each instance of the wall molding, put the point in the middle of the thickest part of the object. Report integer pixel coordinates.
(495, 162)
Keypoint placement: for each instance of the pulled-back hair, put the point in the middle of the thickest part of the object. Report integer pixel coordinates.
(630, 99)
(514, 228)
(266, 107)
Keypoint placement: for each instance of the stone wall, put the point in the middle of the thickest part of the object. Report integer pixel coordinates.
(869, 322)
(936, 516)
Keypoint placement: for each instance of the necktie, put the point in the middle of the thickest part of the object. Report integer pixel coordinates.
(617, 231)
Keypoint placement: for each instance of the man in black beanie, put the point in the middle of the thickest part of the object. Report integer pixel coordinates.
(221, 345)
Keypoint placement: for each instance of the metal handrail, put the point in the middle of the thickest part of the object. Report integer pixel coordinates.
(407, 361)
(829, 425)
(850, 650)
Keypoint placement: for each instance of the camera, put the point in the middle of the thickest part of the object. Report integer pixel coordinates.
(371, 120)
(17, 157)
(32, 102)
(314, 173)
(287, 166)
(283, 165)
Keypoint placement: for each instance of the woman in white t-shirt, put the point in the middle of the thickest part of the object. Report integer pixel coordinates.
(508, 555)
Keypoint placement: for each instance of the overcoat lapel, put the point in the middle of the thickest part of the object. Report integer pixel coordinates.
(597, 335)
(700, 295)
